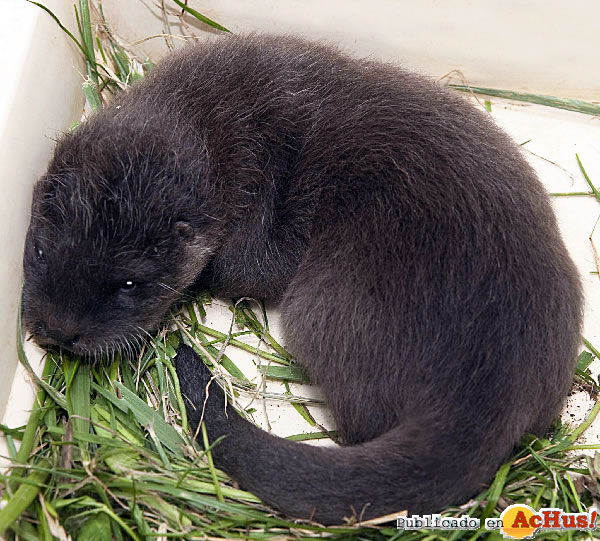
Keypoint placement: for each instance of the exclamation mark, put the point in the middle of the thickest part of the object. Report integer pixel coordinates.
(593, 520)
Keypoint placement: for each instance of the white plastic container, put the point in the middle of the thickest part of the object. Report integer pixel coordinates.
(40, 95)
(545, 47)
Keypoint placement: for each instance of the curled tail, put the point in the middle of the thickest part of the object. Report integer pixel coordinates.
(408, 467)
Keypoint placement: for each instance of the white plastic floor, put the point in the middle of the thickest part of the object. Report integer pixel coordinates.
(551, 138)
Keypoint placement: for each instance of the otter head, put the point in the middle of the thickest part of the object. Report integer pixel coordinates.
(117, 232)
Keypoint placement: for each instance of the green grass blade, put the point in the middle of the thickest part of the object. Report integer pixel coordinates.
(78, 397)
(586, 423)
(539, 99)
(146, 416)
(292, 373)
(591, 348)
(495, 490)
(211, 464)
(245, 316)
(246, 347)
(23, 497)
(584, 360)
(594, 190)
(201, 17)
(90, 91)
(87, 40)
(61, 26)
(47, 370)
(300, 408)
(179, 397)
(313, 436)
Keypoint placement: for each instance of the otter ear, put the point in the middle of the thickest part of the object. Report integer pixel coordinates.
(195, 245)
(185, 231)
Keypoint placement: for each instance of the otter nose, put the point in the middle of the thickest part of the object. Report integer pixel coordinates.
(54, 337)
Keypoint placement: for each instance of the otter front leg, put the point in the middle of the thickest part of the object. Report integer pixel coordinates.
(256, 261)
(204, 399)
(238, 447)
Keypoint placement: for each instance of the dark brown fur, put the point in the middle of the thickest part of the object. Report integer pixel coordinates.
(422, 278)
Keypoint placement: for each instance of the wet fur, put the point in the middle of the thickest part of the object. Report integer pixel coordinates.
(422, 278)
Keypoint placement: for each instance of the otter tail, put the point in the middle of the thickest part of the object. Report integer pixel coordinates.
(409, 467)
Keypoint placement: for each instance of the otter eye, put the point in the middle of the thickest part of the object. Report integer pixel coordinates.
(128, 285)
(39, 253)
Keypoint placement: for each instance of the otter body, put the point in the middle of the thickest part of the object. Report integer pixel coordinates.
(421, 276)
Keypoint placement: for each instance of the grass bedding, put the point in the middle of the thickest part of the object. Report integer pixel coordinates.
(106, 453)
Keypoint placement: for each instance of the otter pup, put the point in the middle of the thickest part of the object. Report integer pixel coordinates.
(422, 279)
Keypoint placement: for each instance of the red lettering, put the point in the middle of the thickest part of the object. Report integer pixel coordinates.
(582, 522)
(568, 521)
(552, 519)
(520, 520)
(535, 521)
